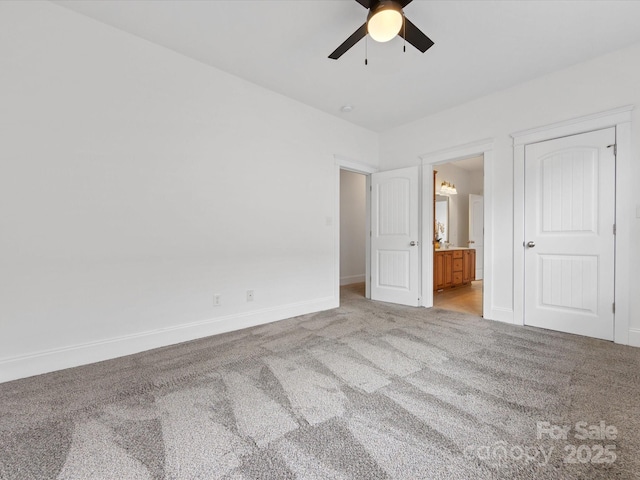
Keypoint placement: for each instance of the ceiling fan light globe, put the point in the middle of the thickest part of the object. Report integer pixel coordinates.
(385, 22)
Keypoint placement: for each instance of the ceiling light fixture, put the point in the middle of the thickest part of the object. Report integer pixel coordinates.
(447, 189)
(385, 21)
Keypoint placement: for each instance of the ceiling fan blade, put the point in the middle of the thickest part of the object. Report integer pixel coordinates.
(414, 36)
(368, 3)
(350, 42)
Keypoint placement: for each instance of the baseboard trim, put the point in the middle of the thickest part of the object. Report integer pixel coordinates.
(634, 337)
(352, 279)
(500, 315)
(14, 368)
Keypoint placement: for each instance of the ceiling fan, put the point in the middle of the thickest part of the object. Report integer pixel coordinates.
(384, 21)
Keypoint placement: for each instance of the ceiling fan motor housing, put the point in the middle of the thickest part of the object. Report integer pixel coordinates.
(384, 20)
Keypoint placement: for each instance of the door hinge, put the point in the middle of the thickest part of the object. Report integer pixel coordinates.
(613, 307)
(370, 233)
(371, 188)
(615, 148)
(614, 228)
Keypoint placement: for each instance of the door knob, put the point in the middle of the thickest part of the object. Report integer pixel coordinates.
(531, 244)
(413, 243)
(471, 241)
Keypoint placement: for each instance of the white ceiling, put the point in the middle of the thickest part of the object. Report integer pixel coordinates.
(480, 47)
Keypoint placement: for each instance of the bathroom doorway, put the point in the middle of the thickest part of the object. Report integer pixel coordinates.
(459, 235)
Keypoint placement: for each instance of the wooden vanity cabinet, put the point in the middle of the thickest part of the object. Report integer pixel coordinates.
(452, 268)
(443, 271)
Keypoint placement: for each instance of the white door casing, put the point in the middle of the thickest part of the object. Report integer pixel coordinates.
(569, 239)
(476, 231)
(395, 255)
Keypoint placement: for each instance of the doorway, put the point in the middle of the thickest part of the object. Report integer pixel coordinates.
(353, 233)
(392, 234)
(459, 235)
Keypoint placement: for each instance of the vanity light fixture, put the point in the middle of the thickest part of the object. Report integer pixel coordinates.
(447, 189)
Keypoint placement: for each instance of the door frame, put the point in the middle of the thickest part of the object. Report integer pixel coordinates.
(470, 217)
(343, 163)
(620, 118)
(429, 161)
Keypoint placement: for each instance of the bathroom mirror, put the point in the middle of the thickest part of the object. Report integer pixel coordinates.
(442, 217)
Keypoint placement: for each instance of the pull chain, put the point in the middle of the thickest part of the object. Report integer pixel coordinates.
(366, 50)
(404, 33)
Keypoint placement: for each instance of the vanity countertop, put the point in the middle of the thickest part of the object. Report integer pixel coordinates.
(453, 248)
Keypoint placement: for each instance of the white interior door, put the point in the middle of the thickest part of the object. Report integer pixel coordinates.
(395, 255)
(569, 234)
(476, 231)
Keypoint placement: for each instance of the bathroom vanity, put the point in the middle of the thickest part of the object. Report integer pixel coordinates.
(453, 267)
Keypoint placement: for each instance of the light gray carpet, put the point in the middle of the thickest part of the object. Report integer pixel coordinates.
(367, 391)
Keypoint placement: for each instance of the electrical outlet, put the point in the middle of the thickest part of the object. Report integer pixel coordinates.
(249, 295)
(216, 299)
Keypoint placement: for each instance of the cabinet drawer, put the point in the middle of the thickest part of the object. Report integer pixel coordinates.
(457, 264)
(457, 254)
(457, 278)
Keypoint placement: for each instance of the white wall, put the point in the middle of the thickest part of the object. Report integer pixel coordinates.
(135, 183)
(603, 83)
(476, 182)
(353, 197)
